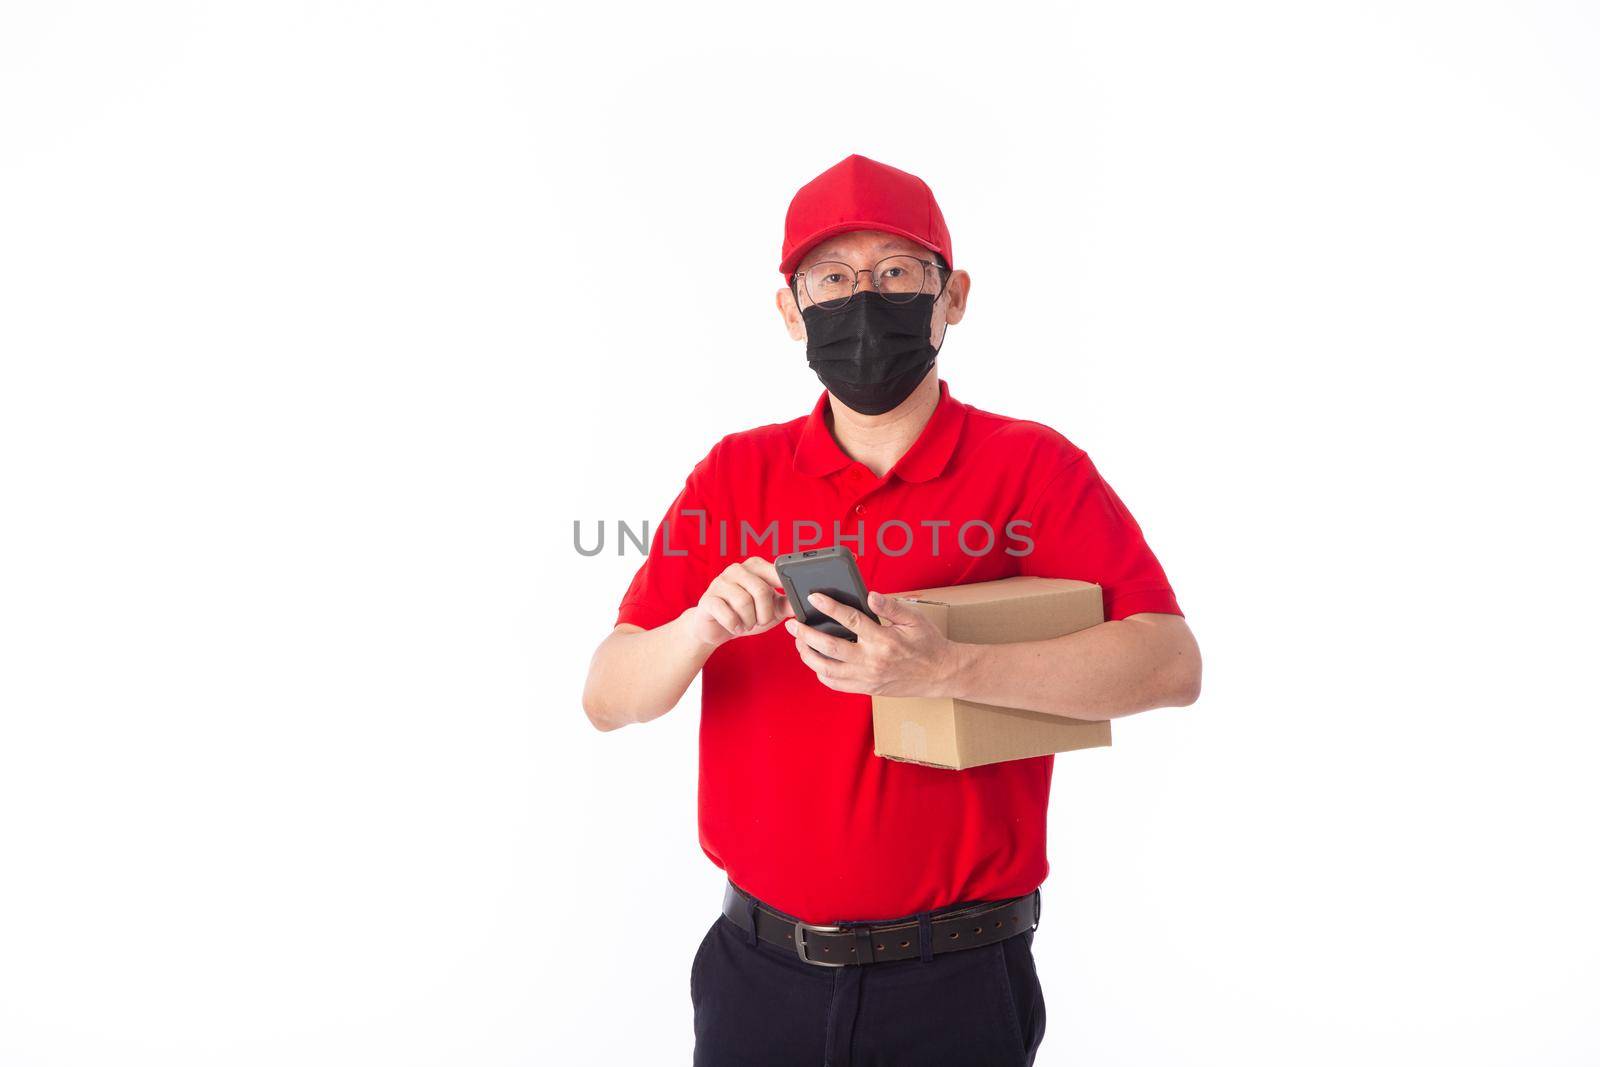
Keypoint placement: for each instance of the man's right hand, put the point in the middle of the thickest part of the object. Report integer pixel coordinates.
(740, 602)
(637, 674)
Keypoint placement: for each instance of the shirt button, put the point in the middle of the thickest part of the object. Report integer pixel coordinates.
(861, 509)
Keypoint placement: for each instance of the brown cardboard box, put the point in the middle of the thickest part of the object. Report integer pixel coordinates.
(959, 734)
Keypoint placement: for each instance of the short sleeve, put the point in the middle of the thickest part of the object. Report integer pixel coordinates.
(1082, 530)
(673, 576)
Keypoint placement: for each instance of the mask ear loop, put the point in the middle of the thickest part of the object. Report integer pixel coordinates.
(944, 284)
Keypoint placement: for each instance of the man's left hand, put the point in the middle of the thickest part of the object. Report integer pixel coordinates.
(902, 655)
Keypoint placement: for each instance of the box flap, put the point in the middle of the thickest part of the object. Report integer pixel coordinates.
(1013, 588)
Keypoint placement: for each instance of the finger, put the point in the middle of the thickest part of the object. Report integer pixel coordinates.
(843, 614)
(763, 569)
(726, 617)
(834, 647)
(761, 594)
(773, 619)
(892, 609)
(827, 670)
(737, 597)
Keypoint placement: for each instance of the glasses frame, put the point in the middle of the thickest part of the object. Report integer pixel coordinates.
(855, 280)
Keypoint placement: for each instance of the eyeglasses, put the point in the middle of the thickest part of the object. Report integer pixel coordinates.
(898, 279)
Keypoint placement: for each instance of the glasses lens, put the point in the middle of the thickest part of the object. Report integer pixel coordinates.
(899, 278)
(829, 285)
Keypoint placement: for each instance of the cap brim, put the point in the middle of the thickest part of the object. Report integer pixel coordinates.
(791, 262)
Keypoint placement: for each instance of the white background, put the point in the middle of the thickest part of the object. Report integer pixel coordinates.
(322, 323)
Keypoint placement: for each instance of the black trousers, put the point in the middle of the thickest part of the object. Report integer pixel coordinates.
(756, 1004)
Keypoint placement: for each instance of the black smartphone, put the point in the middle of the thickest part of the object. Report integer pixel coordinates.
(831, 571)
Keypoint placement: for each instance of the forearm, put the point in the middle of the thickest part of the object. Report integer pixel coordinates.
(638, 675)
(1106, 671)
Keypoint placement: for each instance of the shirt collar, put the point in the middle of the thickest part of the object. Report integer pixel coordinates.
(818, 454)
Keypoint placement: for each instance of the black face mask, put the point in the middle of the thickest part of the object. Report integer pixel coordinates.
(871, 353)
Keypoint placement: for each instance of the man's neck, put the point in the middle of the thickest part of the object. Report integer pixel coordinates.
(878, 441)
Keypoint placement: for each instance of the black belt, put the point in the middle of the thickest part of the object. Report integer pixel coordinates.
(948, 930)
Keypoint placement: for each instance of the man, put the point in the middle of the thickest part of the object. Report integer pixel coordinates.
(921, 881)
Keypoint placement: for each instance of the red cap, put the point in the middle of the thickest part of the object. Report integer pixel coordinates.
(858, 193)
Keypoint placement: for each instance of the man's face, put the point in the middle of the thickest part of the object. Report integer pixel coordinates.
(862, 250)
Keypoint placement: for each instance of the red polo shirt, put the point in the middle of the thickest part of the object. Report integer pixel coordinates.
(794, 806)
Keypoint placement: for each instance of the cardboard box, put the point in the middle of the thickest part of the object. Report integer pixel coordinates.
(957, 733)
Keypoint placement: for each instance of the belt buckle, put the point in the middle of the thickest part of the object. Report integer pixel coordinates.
(800, 929)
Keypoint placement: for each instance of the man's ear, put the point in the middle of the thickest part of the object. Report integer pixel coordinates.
(956, 290)
(791, 314)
